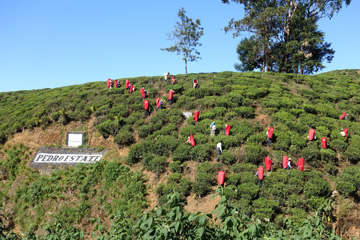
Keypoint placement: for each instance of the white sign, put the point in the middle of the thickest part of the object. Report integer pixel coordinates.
(75, 139)
(66, 158)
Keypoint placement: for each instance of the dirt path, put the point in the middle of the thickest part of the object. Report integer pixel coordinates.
(204, 205)
(261, 117)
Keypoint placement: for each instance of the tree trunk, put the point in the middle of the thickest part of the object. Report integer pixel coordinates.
(185, 66)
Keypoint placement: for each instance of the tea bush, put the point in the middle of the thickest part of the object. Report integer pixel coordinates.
(254, 154)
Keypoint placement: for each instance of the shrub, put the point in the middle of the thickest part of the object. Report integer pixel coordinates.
(265, 208)
(231, 192)
(311, 153)
(167, 142)
(241, 167)
(345, 188)
(327, 155)
(201, 153)
(249, 190)
(176, 167)
(219, 111)
(257, 139)
(245, 112)
(182, 153)
(227, 141)
(350, 175)
(283, 141)
(316, 187)
(338, 145)
(353, 154)
(124, 138)
(234, 179)
(112, 171)
(156, 164)
(135, 154)
(227, 158)
(109, 127)
(254, 154)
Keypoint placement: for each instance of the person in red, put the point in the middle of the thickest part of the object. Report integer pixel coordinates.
(268, 163)
(146, 107)
(286, 163)
(324, 142)
(127, 84)
(344, 132)
(158, 103)
(221, 178)
(143, 93)
(300, 164)
(116, 82)
(270, 136)
(311, 135)
(173, 79)
(227, 129)
(196, 117)
(191, 140)
(108, 82)
(260, 174)
(171, 93)
(344, 116)
(131, 88)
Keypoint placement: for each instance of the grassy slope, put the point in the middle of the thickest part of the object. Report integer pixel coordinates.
(290, 103)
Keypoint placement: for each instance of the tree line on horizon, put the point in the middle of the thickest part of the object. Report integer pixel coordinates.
(283, 35)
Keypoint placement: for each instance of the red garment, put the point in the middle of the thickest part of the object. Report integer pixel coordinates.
(227, 130)
(324, 142)
(192, 140)
(115, 83)
(270, 132)
(342, 116)
(127, 83)
(142, 91)
(196, 116)
(108, 83)
(195, 81)
(285, 161)
(346, 131)
(261, 173)
(146, 104)
(221, 177)
(157, 102)
(131, 88)
(311, 134)
(300, 164)
(171, 93)
(267, 163)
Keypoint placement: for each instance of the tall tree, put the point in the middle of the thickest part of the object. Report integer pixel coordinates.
(186, 37)
(284, 34)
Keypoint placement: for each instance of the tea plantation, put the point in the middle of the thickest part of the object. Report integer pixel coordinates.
(110, 199)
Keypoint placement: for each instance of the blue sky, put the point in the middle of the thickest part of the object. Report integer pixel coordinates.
(54, 43)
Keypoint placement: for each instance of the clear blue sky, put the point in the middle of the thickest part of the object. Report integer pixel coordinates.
(53, 43)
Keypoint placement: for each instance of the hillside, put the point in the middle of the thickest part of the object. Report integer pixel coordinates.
(148, 159)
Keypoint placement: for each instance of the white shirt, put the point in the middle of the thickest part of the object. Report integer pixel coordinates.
(213, 127)
(219, 145)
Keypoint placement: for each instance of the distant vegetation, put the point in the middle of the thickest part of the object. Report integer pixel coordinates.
(84, 199)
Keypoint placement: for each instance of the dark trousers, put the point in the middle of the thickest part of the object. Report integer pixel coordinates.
(269, 142)
(218, 152)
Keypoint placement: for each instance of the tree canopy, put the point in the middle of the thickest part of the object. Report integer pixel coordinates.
(186, 37)
(284, 35)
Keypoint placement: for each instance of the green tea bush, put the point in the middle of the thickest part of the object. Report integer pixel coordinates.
(265, 208)
(234, 179)
(176, 167)
(254, 154)
(348, 182)
(112, 171)
(283, 141)
(353, 154)
(227, 141)
(219, 111)
(244, 167)
(124, 138)
(316, 187)
(182, 153)
(338, 145)
(327, 155)
(231, 193)
(156, 164)
(227, 158)
(245, 112)
(135, 154)
(312, 154)
(201, 153)
(249, 190)
(257, 139)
